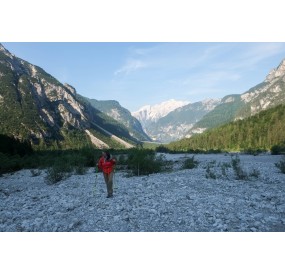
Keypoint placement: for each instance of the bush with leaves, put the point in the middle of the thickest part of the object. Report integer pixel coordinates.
(145, 162)
(190, 163)
(252, 151)
(59, 171)
(281, 165)
(9, 163)
(162, 149)
(239, 171)
(209, 173)
(254, 173)
(278, 149)
(35, 173)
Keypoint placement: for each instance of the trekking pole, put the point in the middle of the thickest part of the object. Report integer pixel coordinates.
(114, 186)
(95, 183)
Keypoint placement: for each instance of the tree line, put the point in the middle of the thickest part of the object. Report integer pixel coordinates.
(264, 131)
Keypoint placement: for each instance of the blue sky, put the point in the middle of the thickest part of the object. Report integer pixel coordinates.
(137, 74)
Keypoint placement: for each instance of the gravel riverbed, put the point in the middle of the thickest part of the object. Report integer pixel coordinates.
(178, 201)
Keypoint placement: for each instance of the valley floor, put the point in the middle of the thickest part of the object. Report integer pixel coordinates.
(178, 201)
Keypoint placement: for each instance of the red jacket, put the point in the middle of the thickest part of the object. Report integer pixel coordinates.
(107, 166)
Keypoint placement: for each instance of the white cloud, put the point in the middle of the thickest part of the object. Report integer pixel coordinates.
(131, 66)
(249, 56)
(208, 79)
(197, 70)
(261, 51)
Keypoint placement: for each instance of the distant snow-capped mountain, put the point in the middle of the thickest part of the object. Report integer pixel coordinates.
(176, 124)
(148, 114)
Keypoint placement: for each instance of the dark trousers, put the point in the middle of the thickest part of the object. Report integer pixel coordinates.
(109, 182)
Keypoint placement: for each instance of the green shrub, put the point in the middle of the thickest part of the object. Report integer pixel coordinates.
(190, 163)
(254, 152)
(239, 171)
(122, 159)
(144, 162)
(281, 165)
(224, 168)
(210, 174)
(35, 173)
(254, 173)
(12, 146)
(54, 175)
(9, 163)
(278, 149)
(80, 169)
(59, 171)
(162, 149)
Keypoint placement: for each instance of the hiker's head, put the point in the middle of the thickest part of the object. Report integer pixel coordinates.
(107, 155)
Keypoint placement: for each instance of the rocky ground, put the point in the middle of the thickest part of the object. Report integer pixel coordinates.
(204, 199)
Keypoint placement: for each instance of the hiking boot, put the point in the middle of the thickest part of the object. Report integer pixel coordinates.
(110, 196)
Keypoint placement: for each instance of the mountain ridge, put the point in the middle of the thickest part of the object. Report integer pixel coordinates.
(151, 113)
(263, 96)
(36, 106)
(177, 123)
(260, 132)
(113, 109)
(232, 107)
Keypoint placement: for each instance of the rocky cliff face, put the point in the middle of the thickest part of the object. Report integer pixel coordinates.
(268, 94)
(275, 74)
(113, 109)
(37, 106)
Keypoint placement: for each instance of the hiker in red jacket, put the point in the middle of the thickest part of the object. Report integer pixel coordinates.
(106, 165)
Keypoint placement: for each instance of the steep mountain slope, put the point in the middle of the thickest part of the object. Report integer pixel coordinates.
(113, 109)
(268, 94)
(261, 131)
(36, 106)
(221, 114)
